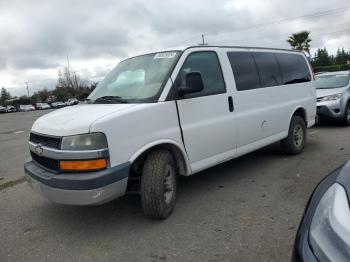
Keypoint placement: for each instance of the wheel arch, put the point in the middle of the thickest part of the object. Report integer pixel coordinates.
(175, 149)
(300, 111)
(348, 100)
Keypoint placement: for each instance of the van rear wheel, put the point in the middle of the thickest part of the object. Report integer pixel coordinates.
(158, 184)
(296, 140)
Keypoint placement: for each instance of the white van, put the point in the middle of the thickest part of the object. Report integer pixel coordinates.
(160, 115)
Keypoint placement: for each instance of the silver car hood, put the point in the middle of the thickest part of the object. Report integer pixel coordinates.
(330, 91)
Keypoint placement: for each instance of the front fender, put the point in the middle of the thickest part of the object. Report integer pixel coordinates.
(160, 142)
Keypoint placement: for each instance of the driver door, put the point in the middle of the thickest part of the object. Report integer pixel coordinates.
(207, 117)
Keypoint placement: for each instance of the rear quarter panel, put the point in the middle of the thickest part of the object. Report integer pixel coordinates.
(275, 105)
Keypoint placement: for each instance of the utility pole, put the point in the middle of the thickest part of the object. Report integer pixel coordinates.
(68, 63)
(69, 79)
(27, 88)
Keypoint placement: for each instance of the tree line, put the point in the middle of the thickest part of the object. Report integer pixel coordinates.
(69, 85)
(322, 60)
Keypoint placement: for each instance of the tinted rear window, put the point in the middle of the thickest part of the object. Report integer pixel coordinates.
(269, 71)
(244, 70)
(294, 68)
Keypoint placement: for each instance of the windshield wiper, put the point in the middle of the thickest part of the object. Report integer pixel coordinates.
(110, 100)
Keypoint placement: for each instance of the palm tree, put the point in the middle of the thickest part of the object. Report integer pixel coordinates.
(300, 41)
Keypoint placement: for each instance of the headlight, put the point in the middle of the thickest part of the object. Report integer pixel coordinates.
(331, 97)
(330, 226)
(91, 141)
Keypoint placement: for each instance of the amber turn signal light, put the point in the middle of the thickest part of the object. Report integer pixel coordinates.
(83, 165)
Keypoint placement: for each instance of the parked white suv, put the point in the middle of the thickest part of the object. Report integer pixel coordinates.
(173, 113)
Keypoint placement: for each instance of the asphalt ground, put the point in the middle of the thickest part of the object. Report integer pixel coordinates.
(14, 132)
(247, 209)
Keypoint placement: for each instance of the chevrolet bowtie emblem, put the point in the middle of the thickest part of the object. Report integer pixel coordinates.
(39, 150)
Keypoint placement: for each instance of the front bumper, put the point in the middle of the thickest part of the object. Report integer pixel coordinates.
(91, 188)
(330, 109)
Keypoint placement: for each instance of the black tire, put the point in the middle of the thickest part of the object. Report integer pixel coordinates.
(296, 140)
(158, 193)
(346, 119)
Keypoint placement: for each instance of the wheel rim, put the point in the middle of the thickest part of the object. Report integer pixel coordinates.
(348, 113)
(168, 184)
(298, 135)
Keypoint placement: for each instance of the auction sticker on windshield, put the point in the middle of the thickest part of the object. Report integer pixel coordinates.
(165, 55)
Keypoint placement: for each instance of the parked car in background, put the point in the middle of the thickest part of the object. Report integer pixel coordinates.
(42, 106)
(72, 101)
(61, 104)
(333, 96)
(26, 108)
(324, 231)
(2, 109)
(160, 115)
(58, 104)
(11, 109)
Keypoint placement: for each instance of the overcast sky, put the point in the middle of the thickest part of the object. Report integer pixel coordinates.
(36, 36)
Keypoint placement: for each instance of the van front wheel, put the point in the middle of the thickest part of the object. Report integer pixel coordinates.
(296, 140)
(158, 184)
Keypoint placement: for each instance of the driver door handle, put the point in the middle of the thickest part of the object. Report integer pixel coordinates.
(230, 104)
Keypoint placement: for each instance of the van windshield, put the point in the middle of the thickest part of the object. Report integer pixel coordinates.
(331, 81)
(136, 80)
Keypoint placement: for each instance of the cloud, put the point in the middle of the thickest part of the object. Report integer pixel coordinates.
(38, 34)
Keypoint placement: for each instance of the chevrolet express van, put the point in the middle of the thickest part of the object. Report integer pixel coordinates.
(160, 115)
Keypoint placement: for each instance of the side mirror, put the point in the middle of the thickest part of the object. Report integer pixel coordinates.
(194, 83)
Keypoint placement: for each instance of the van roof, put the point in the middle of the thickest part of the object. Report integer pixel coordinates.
(183, 48)
(245, 47)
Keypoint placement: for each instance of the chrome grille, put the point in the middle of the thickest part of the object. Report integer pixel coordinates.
(48, 141)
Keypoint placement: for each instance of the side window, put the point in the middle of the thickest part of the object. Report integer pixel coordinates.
(294, 68)
(269, 72)
(207, 63)
(244, 70)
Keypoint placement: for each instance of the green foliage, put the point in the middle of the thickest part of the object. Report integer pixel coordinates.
(342, 57)
(43, 94)
(322, 58)
(23, 100)
(300, 41)
(5, 95)
(322, 61)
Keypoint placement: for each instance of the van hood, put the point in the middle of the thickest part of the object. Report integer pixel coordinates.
(75, 119)
(330, 91)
